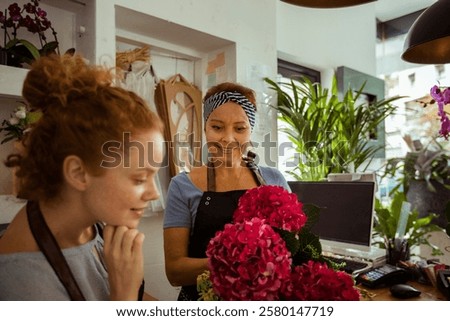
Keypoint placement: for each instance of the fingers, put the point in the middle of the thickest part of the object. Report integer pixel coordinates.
(123, 249)
(131, 240)
(108, 233)
(121, 241)
(137, 243)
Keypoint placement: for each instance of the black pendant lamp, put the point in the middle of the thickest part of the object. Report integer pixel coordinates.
(428, 39)
(324, 4)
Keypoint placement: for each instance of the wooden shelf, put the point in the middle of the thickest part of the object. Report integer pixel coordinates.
(11, 81)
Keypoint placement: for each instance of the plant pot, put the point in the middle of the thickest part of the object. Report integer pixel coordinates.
(397, 252)
(426, 201)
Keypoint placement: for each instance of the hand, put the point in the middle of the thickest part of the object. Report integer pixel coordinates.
(124, 261)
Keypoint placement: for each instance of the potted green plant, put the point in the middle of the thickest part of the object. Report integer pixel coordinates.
(424, 176)
(331, 135)
(416, 230)
(32, 19)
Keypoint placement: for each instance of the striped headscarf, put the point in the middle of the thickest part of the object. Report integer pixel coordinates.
(220, 98)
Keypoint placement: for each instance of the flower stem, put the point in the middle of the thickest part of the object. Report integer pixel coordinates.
(56, 39)
(4, 36)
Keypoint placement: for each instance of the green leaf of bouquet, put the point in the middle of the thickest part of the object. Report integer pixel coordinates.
(310, 247)
(312, 212)
(292, 243)
(332, 264)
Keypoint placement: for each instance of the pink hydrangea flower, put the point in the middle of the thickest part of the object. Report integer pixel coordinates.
(315, 281)
(279, 207)
(248, 261)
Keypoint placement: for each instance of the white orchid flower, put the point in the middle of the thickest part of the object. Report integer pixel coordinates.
(21, 107)
(21, 114)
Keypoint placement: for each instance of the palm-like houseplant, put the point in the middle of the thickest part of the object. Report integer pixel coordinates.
(331, 135)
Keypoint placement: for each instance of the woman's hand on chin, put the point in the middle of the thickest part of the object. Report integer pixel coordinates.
(124, 261)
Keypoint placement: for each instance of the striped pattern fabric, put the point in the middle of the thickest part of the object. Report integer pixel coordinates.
(220, 98)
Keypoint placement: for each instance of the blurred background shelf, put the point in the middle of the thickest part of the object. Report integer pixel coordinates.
(11, 81)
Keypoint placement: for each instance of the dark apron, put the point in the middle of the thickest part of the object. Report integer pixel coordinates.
(51, 250)
(214, 211)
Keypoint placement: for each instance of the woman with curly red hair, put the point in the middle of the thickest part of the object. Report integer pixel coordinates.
(79, 169)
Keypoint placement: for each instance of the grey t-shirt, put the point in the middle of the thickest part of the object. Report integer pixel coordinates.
(183, 197)
(27, 276)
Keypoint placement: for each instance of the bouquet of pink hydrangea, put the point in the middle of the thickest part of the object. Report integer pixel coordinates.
(268, 253)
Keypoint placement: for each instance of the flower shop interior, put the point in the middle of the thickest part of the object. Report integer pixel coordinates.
(200, 43)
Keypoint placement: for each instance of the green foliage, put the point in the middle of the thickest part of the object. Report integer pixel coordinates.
(416, 228)
(310, 248)
(22, 51)
(205, 288)
(292, 243)
(331, 135)
(306, 245)
(428, 163)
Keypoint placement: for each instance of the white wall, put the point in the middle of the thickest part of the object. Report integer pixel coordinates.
(251, 24)
(324, 39)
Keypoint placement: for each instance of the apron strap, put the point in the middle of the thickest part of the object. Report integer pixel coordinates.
(48, 245)
(249, 162)
(210, 177)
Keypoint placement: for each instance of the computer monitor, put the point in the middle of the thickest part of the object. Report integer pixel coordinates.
(346, 216)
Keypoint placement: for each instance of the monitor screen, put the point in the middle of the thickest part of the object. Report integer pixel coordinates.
(346, 214)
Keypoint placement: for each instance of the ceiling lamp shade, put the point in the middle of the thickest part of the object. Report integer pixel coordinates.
(428, 39)
(324, 4)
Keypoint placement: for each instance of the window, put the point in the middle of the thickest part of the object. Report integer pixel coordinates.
(292, 71)
(287, 158)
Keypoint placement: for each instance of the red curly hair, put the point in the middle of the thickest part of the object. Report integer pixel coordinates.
(82, 110)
